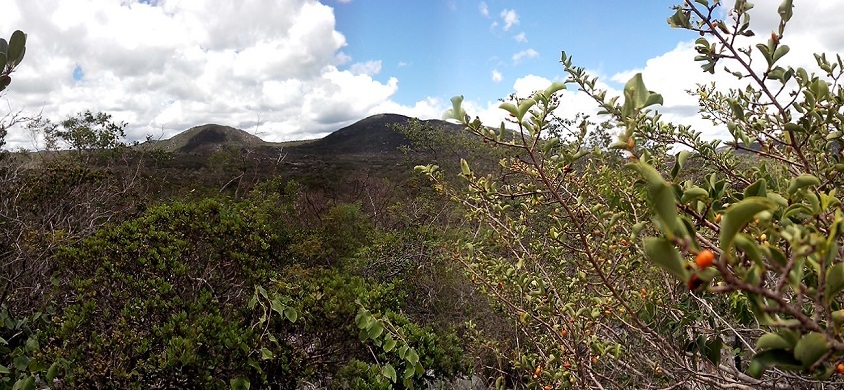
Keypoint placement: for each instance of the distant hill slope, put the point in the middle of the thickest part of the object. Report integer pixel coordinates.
(208, 138)
(372, 135)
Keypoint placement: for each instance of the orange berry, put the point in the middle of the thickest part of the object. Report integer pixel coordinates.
(564, 333)
(547, 387)
(567, 365)
(704, 259)
(840, 368)
(538, 370)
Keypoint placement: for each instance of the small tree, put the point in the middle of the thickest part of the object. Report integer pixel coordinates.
(754, 250)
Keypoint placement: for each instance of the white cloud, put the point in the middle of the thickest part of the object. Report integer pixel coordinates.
(177, 64)
(403, 64)
(521, 37)
(370, 68)
(510, 18)
(529, 53)
(496, 76)
(814, 28)
(483, 9)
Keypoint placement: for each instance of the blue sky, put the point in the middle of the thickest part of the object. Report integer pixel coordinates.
(300, 69)
(444, 48)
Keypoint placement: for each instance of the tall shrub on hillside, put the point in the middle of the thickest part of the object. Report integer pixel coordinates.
(744, 268)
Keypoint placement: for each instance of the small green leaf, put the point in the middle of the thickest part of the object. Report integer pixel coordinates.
(376, 329)
(766, 52)
(663, 253)
(4, 370)
(412, 357)
(770, 358)
(636, 92)
(464, 166)
(785, 10)
(554, 88)
(780, 52)
(389, 343)
(291, 314)
(834, 281)
(802, 181)
(277, 306)
(26, 383)
(17, 47)
(239, 383)
(266, 354)
(738, 215)
(772, 341)
(758, 188)
(52, 372)
(389, 372)
(811, 347)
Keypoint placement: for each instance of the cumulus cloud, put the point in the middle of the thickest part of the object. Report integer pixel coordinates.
(510, 18)
(529, 53)
(370, 68)
(815, 28)
(521, 37)
(170, 65)
(496, 76)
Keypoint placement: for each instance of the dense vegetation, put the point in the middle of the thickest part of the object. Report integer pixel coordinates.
(612, 252)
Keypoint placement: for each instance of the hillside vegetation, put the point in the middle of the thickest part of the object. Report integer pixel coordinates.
(618, 251)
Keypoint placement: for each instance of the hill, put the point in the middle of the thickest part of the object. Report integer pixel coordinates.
(372, 135)
(208, 138)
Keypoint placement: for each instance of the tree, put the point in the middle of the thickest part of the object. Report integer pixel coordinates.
(85, 132)
(753, 250)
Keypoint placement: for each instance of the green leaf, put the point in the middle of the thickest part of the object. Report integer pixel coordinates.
(636, 92)
(758, 188)
(811, 347)
(766, 52)
(834, 281)
(780, 52)
(511, 108)
(409, 371)
(770, 358)
(52, 372)
(738, 110)
(802, 181)
(692, 194)
(738, 215)
(663, 253)
(277, 306)
(376, 329)
(26, 383)
(389, 372)
(524, 106)
(17, 47)
(772, 341)
(389, 343)
(662, 198)
(464, 166)
(412, 357)
(2, 61)
(239, 383)
(291, 314)
(785, 10)
(456, 112)
(266, 354)
(554, 88)
(4, 370)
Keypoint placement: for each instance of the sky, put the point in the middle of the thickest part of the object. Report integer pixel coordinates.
(299, 69)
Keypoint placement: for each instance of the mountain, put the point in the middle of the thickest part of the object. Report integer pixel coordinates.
(208, 138)
(372, 135)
